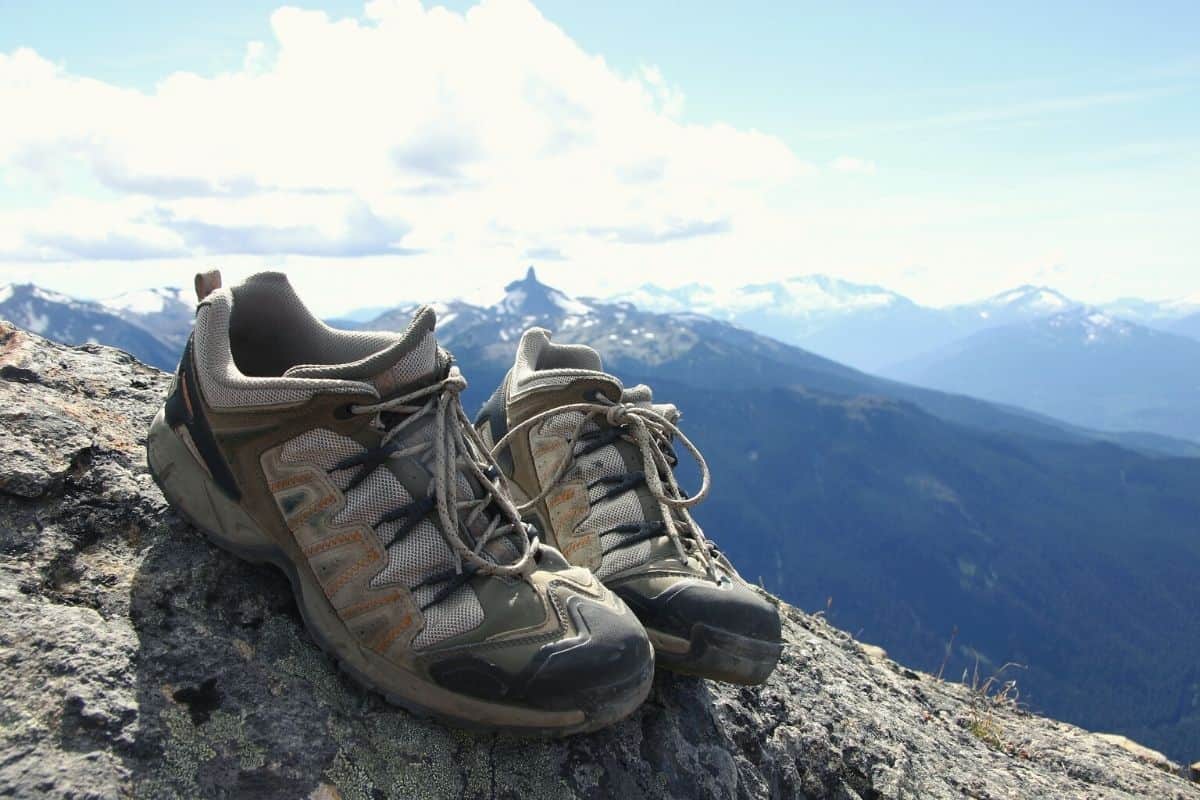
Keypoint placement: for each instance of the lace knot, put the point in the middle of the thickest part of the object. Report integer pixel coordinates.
(617, 415)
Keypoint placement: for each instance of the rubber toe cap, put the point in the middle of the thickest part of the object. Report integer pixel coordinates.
(731, 606)
(605, 668)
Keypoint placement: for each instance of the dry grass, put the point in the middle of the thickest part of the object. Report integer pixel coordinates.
(989, 697)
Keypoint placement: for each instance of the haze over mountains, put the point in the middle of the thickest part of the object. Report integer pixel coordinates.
(872, 328)
(917, 511)
(1080, 364)
(1131, 365)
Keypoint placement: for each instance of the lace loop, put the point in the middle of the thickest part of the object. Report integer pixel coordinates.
(652, 432)
(456, 446)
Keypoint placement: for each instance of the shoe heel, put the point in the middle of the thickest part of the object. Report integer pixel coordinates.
(188, 488)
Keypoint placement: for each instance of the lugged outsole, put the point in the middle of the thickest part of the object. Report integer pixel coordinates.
(274, 557)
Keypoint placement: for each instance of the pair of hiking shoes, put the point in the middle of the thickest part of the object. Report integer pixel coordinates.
(524, 571)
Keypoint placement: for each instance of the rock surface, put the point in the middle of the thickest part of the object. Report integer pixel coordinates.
(139, 661)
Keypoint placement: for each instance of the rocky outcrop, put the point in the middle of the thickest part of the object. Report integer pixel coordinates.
(140, 661)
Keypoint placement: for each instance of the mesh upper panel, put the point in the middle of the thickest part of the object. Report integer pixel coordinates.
(416, 363)
(323, 448)
(564, 424)
(604, 514)
(423, 551)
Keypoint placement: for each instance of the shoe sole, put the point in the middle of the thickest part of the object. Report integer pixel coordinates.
(193, 495)
(711, 652)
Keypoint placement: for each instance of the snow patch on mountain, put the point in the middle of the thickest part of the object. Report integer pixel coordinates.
(144, 301)
(52, 297)
(38, 323)
(1092, 325)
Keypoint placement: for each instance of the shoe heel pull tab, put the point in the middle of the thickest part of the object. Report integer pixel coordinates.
(206, 283)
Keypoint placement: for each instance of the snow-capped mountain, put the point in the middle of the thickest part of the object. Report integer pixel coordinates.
(1082, 365)
(624, 333)
(65, 319)
(861, 325)
(867, 323)
(1177, 315)
(146, 301)
(166, 312)
(1091, 327)
(1015, 305)
(873, 328)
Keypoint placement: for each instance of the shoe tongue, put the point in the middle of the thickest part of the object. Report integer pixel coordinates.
(641, 395)
(408, 361)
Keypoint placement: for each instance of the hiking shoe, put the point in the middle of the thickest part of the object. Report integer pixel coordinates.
(345, 459)
(593, 463)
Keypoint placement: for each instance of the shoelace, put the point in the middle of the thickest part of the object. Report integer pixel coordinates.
(456, 446)
(652, 432)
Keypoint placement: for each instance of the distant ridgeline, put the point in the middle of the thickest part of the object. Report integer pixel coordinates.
(959, 534)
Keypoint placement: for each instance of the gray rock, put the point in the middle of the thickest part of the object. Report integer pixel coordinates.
(139, 661)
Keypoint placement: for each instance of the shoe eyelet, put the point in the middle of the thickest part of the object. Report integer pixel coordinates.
(344, 412)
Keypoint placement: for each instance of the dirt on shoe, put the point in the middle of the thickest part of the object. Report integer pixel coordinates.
(593, 463)
(345, 459)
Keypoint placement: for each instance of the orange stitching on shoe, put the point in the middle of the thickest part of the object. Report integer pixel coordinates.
(328, 544)
(288, 483)
(574, 546)
(353, 570)
(387, 637)
(361, 608)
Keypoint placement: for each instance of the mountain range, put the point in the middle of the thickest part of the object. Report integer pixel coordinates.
(1131, 365)
(957, 533)
(148, 333)
(989, 349)
(1080, 364)
(873, 328)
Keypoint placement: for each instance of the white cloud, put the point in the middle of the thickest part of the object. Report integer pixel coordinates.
(406, 130)
(859, 166)
(412, 154)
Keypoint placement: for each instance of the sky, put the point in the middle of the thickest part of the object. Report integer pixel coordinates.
(397, 152)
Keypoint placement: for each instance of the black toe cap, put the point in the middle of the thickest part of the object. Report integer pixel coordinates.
(608, 660)
(611, 655)
(731, 606)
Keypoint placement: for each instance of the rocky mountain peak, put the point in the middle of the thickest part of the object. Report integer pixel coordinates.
(529, 297)
(141, 661)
